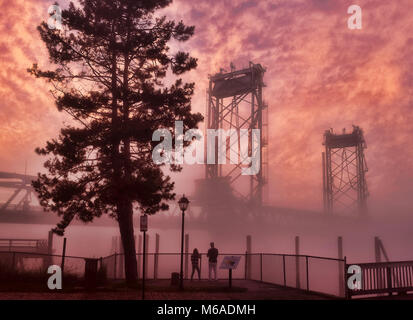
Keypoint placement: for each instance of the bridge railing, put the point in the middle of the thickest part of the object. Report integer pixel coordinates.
(384, 277)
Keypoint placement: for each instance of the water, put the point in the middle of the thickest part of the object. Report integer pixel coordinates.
(96, 241)
(358, 243)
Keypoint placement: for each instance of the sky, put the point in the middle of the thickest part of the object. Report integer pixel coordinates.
(320, 75)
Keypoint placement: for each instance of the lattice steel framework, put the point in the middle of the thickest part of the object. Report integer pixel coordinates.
(344, 173)
(235, 101)
(21, 184)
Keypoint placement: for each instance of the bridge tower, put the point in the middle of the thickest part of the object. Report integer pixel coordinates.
(344, 173)
(235, 104)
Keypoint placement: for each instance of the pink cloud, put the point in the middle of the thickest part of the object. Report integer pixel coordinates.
(319, 75)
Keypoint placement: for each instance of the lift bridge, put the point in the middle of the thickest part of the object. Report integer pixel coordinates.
(22, 187)
(224, 196)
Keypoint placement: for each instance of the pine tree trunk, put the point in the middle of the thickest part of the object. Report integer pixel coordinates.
(125, 219)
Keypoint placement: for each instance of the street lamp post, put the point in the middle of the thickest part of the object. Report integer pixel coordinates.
(144, 228)
(183, 205)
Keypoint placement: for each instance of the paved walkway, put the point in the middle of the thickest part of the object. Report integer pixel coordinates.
(196, 290)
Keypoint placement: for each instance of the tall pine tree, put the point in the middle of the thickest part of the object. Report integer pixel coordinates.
(112, 59)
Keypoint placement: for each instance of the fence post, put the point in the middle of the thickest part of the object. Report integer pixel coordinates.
(115, 267)
(346, 288)
(245, 268)
(63, 256)
(249, 251)
(297, 262)
(285, 277)
(306, 268)
(340, 268)
(261, 265)
(146, 254)
(186, 255)
(155, 262)
(139, 254)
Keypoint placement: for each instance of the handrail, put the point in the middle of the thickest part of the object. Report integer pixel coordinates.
(384, 277)
(383, 264)
(243, 254)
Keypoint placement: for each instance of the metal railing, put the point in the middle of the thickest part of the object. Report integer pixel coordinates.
(311, 273)
(162, 265)
(20, 261)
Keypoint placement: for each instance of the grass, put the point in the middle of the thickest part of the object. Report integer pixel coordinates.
(34, 280)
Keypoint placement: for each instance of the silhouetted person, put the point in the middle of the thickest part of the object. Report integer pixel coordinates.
(195, 263)
(212, 258)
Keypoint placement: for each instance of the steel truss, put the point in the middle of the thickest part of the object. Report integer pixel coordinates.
(21, 184)
(235, 101)
(344, 173)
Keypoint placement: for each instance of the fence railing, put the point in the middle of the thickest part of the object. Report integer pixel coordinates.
(311, 273)
(39, 262)
(162, 265)
(384, 277)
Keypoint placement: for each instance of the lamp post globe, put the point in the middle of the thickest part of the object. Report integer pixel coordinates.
(183, 203)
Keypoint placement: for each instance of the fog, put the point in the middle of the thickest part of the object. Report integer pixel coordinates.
(311, 86)
(358, 238)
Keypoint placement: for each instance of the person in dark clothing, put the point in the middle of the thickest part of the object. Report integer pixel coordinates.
(212, 259)
(195, 263)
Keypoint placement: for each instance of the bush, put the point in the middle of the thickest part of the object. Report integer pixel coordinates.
(16, 279)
